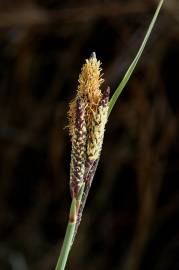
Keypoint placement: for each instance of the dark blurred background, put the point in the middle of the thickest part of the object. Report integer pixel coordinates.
(131, 217)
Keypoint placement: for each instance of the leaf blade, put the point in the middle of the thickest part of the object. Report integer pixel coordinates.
(132, 66)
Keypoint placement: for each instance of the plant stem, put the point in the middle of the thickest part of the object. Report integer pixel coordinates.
(66, 247)
(67, 243)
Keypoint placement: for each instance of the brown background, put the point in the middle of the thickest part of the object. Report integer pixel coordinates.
(131, 219)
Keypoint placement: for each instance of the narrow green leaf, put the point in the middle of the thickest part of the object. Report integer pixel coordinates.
(135, 61)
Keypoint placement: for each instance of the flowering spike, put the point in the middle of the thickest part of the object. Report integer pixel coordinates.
(96, 133)
(87, 119)
(78, 153)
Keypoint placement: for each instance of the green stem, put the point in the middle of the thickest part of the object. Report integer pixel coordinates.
(66, 247)
(67, 243)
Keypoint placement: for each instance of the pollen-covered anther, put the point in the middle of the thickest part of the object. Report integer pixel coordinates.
(90, 80)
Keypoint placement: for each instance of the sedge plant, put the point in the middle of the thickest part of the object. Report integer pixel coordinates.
(88, 114)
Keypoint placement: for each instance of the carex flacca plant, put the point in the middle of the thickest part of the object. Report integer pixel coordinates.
(87, 117)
